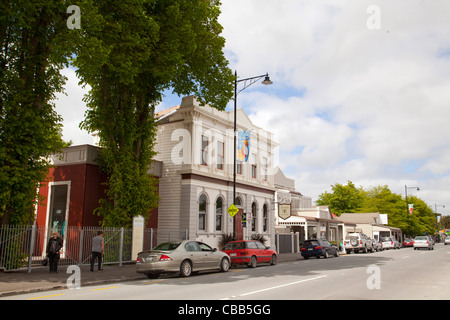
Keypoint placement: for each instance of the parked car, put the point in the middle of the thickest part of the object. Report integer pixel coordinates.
(390, 243)
(358, 242)
(423, 242)
(408, 242)
(377, 245)
(318, 248)
(447, 240)
(250, 252)
(182, 257)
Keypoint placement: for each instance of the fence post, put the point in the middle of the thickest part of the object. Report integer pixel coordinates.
(80, 252)
(121, 247)
(151, 238)
(32, 244)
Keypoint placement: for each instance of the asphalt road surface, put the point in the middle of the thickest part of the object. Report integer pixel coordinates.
(403, 274)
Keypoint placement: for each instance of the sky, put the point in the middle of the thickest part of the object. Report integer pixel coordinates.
(361, 90)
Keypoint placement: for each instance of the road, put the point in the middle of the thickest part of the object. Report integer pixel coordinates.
(394, 274)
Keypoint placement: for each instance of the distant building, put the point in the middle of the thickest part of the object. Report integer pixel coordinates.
(372, 224)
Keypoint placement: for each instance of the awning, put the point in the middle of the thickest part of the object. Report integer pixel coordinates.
(292, 221)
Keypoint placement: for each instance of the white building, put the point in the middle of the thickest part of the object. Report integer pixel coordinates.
(195, 145)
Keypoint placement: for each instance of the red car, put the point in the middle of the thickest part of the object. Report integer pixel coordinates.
(249, 252)
(408, 242)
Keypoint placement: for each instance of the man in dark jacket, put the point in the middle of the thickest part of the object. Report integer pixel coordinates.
(54, 245)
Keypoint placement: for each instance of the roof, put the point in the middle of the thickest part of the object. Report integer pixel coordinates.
(163, 113)
(367, 218)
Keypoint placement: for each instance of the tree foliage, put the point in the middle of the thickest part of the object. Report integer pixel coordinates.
(35, 45)
(380, 199)
(342, 198)
(130, 53)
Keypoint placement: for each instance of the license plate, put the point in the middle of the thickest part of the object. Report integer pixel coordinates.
(232, 254)
(148, 259)
(310, 249)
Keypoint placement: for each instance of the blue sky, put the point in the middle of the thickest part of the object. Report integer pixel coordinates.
(357, 95)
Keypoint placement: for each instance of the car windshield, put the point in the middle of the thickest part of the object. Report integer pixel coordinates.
(234, 246)
(351, 235)
(421, 238)
(385, 239)
(167, 246)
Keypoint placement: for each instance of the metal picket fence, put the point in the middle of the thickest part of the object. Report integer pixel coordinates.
(24, 247)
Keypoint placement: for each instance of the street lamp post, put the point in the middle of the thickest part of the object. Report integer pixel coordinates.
(247, 83)
(407, 205)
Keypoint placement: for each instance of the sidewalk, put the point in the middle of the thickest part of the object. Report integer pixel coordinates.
(19, 282)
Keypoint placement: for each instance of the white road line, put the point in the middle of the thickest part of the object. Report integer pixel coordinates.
(277, 287)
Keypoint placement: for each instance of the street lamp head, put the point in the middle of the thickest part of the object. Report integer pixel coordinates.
(267, 81)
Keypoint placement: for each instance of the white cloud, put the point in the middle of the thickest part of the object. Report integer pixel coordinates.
(72, 108)
(375, 102)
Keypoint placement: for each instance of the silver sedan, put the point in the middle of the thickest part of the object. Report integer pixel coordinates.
(422, 242)
(183, 257)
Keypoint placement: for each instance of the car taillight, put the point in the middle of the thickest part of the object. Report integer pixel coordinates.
(303, 249)
(137, 260)
(318, 247)
(392, 242)
(165, 258)
(244, 253)
(360, 241)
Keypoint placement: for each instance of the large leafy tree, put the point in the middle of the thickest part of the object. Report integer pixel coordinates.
(380, 199)
(343, 198)
(35, 44)
(131, 52)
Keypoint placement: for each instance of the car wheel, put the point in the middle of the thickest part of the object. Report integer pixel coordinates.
(336, 253)
(274, 260)
(224, 265)
(185, 268)
(252, 262)
(326, 255)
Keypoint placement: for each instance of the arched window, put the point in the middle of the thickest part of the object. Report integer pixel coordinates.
(202, 212)
(265, 218)
(219, 214)
(254, 216)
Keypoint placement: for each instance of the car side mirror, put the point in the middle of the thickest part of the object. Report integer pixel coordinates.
(215, 249)
(268, 247)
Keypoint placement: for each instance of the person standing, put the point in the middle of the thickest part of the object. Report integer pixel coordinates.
(98, 249)
(54, 245)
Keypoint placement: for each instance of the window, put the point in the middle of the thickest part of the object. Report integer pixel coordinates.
(204, 150)
(254, 216)
(238, 166)
(265, 218)
(202, 212)
(219, 214)
(205, 247)
(59, 201)
(220, 154)
(192, 246)
(260, 245)
(251, 245)
(264, 169)
(254, 167)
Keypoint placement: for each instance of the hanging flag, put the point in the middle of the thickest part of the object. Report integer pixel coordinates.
(244, 145)
(410, 208)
